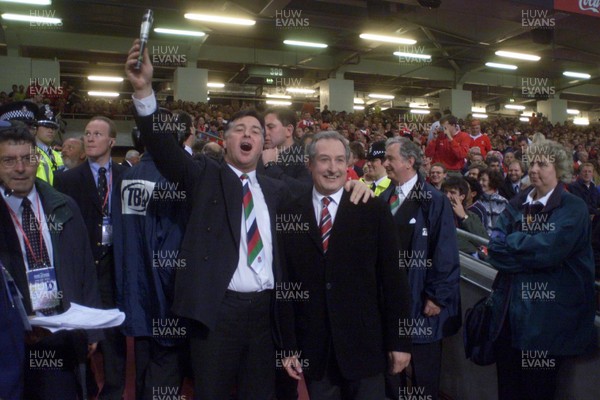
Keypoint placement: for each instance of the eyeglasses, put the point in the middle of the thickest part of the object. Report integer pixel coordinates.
(28, 160)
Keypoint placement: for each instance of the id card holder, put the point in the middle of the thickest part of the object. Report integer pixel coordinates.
(43, 288)
(107, 232)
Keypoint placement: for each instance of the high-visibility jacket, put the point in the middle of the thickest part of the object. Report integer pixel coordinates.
(46, 168)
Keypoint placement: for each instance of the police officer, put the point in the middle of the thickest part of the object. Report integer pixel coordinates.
(45, 134)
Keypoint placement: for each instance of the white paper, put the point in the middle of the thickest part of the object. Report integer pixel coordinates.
(80, 317)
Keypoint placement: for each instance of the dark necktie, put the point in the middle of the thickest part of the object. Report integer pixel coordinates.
(373, 186)
(517, 188)
(37, 253)
(103, 189)
(325, 223)
(52, 159)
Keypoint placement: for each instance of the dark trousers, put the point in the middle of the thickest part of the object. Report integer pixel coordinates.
(525, 375)
(50, 369)
(286, 388)
(424, 379)
(159, 369)
(239, 351)
(113, 347)
(334, 386)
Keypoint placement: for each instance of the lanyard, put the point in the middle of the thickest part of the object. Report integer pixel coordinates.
(25, 238)
(108, 188)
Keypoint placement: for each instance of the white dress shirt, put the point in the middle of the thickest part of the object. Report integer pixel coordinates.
(317, 200)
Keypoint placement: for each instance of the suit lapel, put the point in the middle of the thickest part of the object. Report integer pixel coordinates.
(89, 185)
(232, 193)
(308, 215)
(342, 221)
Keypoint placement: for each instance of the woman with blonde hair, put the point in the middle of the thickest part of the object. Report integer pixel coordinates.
(543, 302)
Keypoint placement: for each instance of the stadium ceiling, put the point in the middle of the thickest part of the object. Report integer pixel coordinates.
(460, 35)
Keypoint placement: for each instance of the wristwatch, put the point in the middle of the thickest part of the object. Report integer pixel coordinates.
(270, 164)
(465, 217)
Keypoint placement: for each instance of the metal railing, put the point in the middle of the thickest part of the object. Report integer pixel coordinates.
(481, 273)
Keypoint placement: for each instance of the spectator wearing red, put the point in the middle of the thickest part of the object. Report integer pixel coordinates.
(306, 121)
(450, 147)
(479, 139)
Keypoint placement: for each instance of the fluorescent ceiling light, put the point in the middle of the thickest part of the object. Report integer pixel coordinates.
(577, 75)
(387, 39)
(518, 56)
(502, 66)
(98, 78)
(358, 101)
(32, 18)
(215, 85)
(305, 44)
(514, 107)
(36, 2)
(419, 111)
(524, 119)
(418, 105)
(478, 109)
(278, 96)
(481, 116)
(572, 111)
(180, 32)
(103, 94)
(359, 108)
(279, 103)
(581, 121)
(219, 19)
(300, 90)
(381, 96)
(412, 55)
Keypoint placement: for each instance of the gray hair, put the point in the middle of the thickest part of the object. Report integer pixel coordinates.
(131, 154)
(407, 149)
(554, 153)
(311, 149)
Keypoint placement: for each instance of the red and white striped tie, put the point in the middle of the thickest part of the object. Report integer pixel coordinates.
(326, 223)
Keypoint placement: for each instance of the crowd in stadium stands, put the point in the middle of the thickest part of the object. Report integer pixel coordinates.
(478, 165)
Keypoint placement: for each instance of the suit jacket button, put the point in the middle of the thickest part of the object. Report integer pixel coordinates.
(98, 244)
(96, 262)
(208, 229)
(205, 258)
(328, 286)
(215, 201)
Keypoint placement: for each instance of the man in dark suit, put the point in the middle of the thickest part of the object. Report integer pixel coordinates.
(348, 326)
(90, 185)
(132, 157)
(44, 249)
(231, 257)
(282, 158)
(512, 182)
(425, 226)
(229, 248)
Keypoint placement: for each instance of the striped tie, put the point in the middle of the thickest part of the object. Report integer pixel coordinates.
(255, 245)
(326, 223)
(395, 200)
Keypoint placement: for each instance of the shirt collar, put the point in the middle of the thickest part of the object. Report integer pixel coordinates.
(409, 184)
(251, 174)
(475, 137)
(95, 166)
(543, 201)
(381, 180)
(335, 197)
(14, 202)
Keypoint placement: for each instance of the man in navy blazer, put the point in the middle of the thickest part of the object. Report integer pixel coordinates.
(429, 250)
(81, 183)
(347, 326)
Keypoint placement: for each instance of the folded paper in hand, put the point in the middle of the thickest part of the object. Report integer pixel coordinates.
(80, 317)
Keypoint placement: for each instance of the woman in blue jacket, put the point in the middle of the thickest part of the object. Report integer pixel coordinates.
(544, 298)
